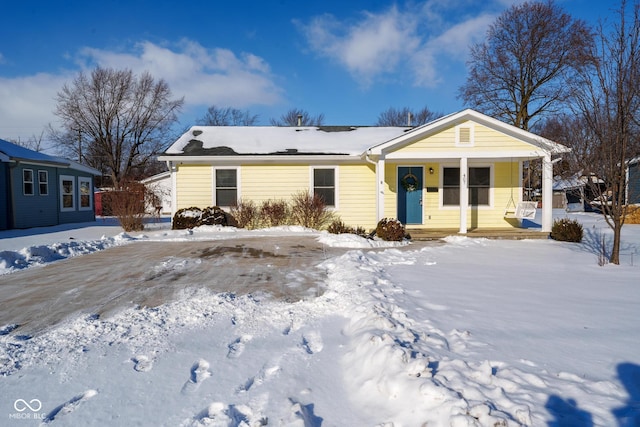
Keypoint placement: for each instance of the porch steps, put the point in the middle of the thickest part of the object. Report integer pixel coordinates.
(498, 233)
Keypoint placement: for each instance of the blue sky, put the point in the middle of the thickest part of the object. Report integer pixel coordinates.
(349, 60)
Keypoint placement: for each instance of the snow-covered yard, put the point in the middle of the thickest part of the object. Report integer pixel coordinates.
(471, 332)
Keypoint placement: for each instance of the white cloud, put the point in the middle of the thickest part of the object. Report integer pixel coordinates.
(411, 43)
(27, 104)
(203, 76)
(372, 47)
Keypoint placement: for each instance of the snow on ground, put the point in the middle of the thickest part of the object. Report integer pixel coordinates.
(469, 332)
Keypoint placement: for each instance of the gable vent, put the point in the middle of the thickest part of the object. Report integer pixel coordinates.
(465, 136)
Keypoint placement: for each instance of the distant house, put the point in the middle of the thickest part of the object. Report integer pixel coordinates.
(462, 171)
(160, 186)
(633, 182)
(39, 190)
(569, 193)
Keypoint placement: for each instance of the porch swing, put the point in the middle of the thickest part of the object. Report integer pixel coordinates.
(521, 210)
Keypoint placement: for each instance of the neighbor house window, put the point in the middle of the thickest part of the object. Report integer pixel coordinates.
(67, 193)
(226, 181)
(479, 186)
(84, 185)
(43, 183)
(324, 185)
(27, 182)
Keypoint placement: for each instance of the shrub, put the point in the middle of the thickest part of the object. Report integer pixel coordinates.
(274, 213)
(567, 230)
(309, 210)
(186, 218)
(127, 205)
(245, 213)
(339, 227)
(360, 231)
(390, 230)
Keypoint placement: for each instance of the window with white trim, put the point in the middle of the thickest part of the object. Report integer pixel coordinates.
(226, 187)
(43, 183)
(84, 187)
(324, 185)
(479, 186)
(67, 193)
(27, 182)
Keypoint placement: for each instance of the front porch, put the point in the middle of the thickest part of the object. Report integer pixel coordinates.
(419, 234)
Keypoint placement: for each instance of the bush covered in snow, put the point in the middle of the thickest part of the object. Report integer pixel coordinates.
(567, 230)
(391, 230)
(194, 217)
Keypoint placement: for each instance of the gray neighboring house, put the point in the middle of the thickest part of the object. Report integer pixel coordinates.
(38, 190)
(633, 182)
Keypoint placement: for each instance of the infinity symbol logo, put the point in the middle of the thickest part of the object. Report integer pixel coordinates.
(21, 405)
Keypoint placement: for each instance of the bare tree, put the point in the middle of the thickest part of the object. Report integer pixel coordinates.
(406, 117)
(227, 116)
(521, 71)
(115, 121)
(298, 117)
(608, 103)
(33, 143)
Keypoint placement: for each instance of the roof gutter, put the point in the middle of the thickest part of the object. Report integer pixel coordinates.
(297, 158)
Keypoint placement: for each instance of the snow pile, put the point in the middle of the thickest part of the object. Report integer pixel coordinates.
(11, 261)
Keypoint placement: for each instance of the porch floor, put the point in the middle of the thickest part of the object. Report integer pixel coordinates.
(491, 233)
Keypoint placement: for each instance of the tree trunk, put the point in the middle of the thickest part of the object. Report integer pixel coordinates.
(615, 250)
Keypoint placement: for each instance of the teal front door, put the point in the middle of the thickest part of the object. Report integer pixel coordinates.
(410, 194)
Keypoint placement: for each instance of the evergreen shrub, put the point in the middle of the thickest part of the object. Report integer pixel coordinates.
(567, 230)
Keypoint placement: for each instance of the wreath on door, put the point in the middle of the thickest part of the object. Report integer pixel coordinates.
(409, 182)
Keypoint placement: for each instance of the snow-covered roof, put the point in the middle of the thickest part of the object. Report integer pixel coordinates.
(336, 140)
(261, 140)
(575, 181)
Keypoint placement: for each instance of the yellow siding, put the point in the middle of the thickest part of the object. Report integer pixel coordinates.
(485, 139)
(356, 187)
(194, 186)
(273, 182)
(357, 195)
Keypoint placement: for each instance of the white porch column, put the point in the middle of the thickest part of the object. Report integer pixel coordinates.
(174, 193)
(547, 193)
(464, 195)
(380, 189)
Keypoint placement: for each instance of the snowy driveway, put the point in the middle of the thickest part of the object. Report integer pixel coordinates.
(152, 273)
